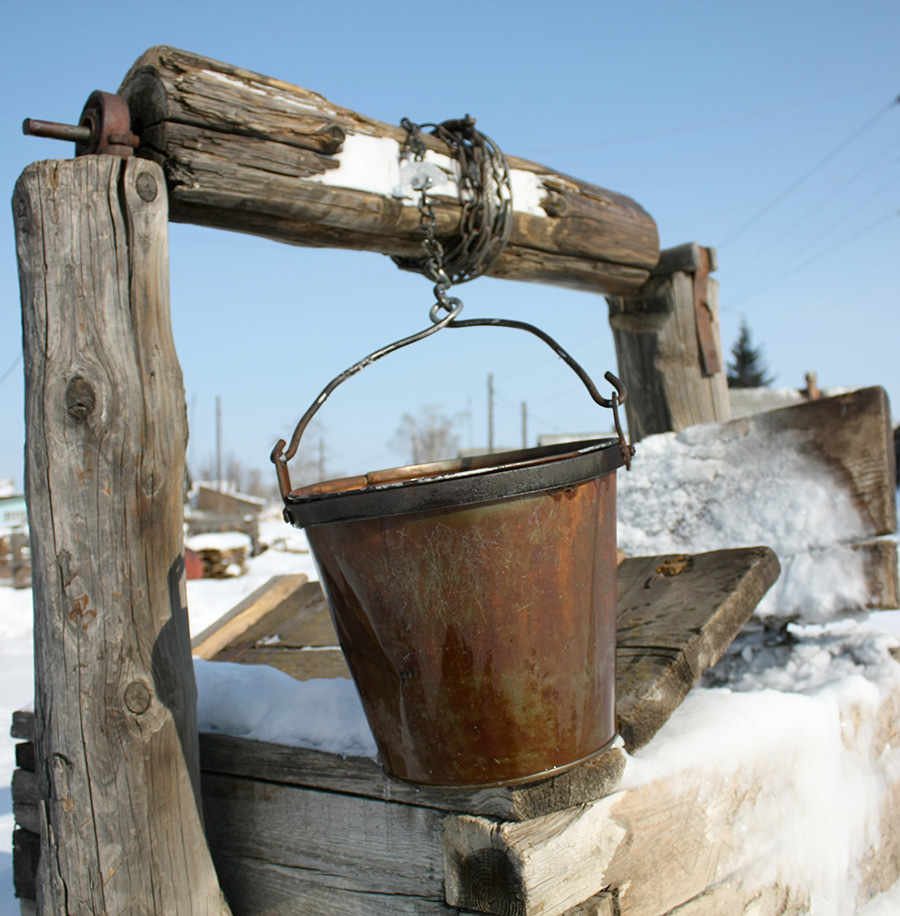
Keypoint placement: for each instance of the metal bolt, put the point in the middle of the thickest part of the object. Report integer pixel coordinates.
(54, 131)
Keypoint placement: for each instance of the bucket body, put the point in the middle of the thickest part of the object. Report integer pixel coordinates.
(482, 637)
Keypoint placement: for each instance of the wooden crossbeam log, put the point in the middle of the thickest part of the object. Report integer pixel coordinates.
(245, 152)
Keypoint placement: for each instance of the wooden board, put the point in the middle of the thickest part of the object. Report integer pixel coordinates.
(677, 615)
(241, 618)
(249, 153)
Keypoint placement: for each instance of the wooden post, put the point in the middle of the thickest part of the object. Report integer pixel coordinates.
(115, 699)
(668, 345)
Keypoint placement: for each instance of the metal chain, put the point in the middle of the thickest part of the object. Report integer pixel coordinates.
(485, 193)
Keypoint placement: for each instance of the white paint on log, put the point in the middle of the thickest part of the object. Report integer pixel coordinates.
(373, 164)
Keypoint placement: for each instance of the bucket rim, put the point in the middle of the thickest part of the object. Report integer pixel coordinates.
(454, 483)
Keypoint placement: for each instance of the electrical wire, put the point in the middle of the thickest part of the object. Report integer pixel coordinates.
(818, 257)
(9, 371)
(824, 201)
(783, 195)
(692, 128)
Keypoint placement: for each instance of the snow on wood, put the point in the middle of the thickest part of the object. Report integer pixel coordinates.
(810, 481)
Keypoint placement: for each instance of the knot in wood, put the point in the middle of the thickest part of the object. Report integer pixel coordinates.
(80, 398)
(146, 187)
(555, 205)
(138, 697)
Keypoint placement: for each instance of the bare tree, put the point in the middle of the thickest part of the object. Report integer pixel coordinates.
(428, 436)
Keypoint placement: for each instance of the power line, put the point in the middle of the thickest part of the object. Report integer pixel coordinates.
(809, 172)
(822, 254)
(829, 198)
(688, 128)
(9, 371)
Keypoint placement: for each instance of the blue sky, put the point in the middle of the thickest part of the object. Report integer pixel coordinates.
(763, 129)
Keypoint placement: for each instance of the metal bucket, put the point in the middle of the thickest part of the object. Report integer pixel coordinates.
(477, 609)
(475, 600)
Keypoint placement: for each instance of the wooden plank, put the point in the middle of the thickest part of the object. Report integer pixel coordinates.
(869, 579)
(839, 448)
(367, 845)
(25, 800)
(246, 152)
(257, 888)
(303, 665)
(22, 725)
(677, 615)
(689, 257)
(880, 562)
(244, 615)
(301, 619)
(363, 776)
(106, 432)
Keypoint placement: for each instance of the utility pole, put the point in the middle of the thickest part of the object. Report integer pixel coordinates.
(490, 413)
(524, 425)
(218, 442)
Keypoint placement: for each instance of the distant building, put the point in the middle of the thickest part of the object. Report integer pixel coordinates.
(13, 513)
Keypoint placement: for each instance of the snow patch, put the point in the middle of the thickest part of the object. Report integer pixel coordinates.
(265, 704)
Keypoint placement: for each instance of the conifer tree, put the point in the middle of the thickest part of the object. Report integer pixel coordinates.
(747, 368)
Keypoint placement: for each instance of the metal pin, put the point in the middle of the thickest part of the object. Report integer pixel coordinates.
(52, 130)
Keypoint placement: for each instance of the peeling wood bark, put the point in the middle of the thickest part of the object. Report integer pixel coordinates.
(117, 753)
(245, 152)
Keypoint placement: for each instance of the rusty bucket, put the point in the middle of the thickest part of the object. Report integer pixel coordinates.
(475, 602)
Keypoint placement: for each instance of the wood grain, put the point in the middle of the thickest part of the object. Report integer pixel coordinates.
(118, 767)
(245, 152)
(677, 616)
(658, 350)
(242, 617)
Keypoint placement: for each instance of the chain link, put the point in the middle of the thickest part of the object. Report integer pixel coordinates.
(485, 193)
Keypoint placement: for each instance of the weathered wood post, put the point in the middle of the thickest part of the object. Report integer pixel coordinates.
(669, 347)
(117, 751)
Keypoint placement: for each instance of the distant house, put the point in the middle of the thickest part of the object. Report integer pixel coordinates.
(219, 510)
(13, 513)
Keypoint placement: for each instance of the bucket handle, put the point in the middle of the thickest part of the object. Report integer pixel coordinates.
(280, 457)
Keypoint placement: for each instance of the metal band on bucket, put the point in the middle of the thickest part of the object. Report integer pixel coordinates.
(448, 484)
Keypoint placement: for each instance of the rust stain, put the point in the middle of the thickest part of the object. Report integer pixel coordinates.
(674, 566)
(81, 614)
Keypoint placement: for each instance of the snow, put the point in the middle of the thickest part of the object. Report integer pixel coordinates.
(699, 490)
(373, 164)
(256, 701)
(811, 699)
(219, 540)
